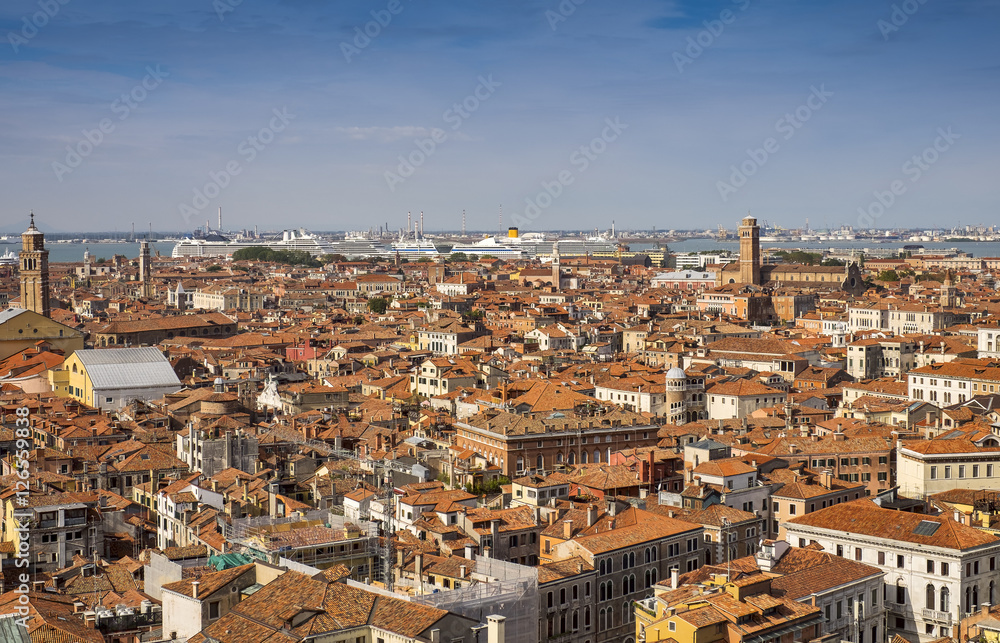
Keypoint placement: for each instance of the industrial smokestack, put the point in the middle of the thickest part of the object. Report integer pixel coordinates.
(421, 223)
(409, 223)
(220, 217)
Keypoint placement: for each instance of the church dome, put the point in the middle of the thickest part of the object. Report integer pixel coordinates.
(676, 374)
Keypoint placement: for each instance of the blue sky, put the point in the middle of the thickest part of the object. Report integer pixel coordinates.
(549, 78)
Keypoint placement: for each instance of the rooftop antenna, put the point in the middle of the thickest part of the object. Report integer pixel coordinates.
(501, 218)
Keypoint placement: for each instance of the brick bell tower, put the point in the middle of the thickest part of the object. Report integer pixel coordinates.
(749, 251)
(34, 270)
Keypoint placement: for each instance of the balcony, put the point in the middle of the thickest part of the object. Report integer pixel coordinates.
(896, 608)
(944, 618)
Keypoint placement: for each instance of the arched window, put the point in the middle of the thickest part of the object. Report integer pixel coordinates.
(631, 559)
(624, 561)
(586, 617)
(929, 598)
(597, 456)
(601, 594)
(539, 462)
(601, 567)
(654, 575)
(945, 600)
(975, 598)
(601, 620)
(572, 458)
(652, 551)
(646, 555)
(576, 620)
(626, 616)
(647, 580)
(583, 457)
(559, 458)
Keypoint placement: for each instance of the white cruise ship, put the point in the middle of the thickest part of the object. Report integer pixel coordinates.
(415, 246)
(534, 244)
(493, 247)
(8, 259)
(356, 245)
(216, 245)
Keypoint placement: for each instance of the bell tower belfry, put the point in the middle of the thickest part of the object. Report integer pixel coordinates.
(34, 270)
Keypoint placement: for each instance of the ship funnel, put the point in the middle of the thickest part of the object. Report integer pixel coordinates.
(512, 233)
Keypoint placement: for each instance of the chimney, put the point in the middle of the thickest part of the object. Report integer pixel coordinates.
(194, 589)
(418, 565)
(215, 485)
(461, 571)
(673, 578)
(435, 636)
(468, 551)
(567, 529)
(496, 629)
(591, 515)
(826, 478)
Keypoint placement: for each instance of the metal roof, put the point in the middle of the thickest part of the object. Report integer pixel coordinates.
(10, 629)
(10, 313)
(128, 368)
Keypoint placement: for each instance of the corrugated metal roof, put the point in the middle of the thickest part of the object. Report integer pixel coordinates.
(124, 368)
(10, 313)
(10, 629)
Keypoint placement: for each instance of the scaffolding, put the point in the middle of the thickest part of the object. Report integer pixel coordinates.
(503, 588)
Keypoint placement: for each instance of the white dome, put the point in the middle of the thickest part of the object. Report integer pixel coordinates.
(676, 374)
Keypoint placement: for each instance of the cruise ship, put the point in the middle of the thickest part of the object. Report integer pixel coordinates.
(493, 247)
(8, 259)
(215, 244)
(357, 245)
(414, 248)
(534, 244)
